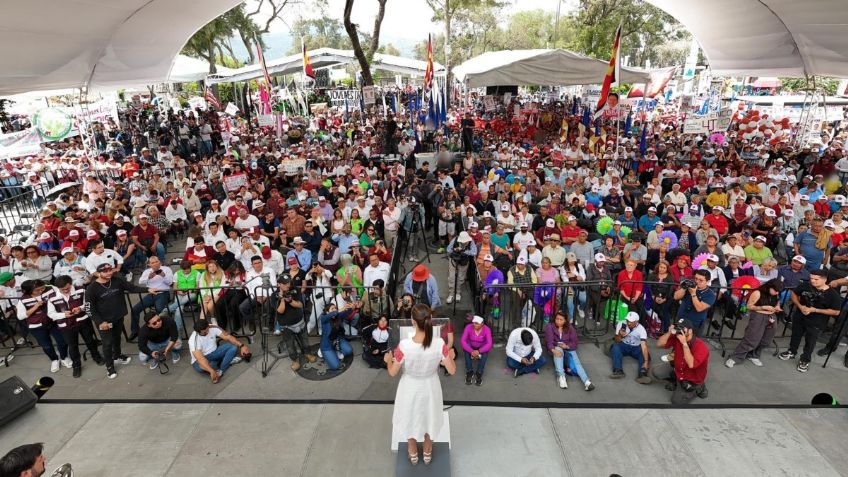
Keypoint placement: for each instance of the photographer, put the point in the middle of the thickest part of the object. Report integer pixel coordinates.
(376, 303)
(691, 357)
(158, 280)
(461, 251)
(334, 347)
(347, 299)
(158, 337)
(404, 307)
(695, 297)
(289, 316)
(318, 279)
(815, 302)
(207, 356)
(412, 220)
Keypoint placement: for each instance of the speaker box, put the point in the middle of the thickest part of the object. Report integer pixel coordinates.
(500, 90)
(16, 398)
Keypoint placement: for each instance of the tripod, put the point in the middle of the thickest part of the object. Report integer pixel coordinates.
(411, 244)
(267, 312)
(839, 334)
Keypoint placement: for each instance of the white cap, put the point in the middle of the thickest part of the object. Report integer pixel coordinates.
(523, 225)
(804, 197)
(488, 258)
(463, 237)
(571, 217)
(760, 238)
(473, 224)
(44, 236)
(718, 208)
(550, 223)
(712, 257)
(652, 209)
(90, 234)
(477, 319)
(532, 243)
(800, 259)
(632, 317)
(67, 250)
(603, 212)
(628, 209)
(143, 216)
(487, 214)
(789, 213)
(599, 257)
(120, 232)
(505, 208)
(618, 222)
(771, 213)
(830, 223)
(522, 260)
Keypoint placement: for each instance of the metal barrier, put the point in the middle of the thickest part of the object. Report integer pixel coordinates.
(19, 212)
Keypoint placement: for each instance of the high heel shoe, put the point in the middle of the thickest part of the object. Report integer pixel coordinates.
(428, 456)
(413, 458)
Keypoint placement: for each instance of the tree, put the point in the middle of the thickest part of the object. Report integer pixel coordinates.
(389, 49)
(824, 84)
(363, 57)
(207, 42)
(319, 32)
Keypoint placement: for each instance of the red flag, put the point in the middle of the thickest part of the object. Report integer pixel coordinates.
(659, 80)
(307, 66)
(211, 99)
(428, 73)
(612, 75)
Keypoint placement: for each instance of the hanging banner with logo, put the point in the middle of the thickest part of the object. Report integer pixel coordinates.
(98, 111)
(234, 182)
(20, 143)
(52, 124)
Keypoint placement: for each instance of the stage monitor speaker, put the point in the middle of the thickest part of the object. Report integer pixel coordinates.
(500, 90)
(16, 398)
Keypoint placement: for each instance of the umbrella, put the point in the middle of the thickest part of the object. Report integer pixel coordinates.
(61, 188)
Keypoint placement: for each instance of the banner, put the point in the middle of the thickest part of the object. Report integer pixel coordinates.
(53, 124)
(266, 120)
(368, 96)
(196, 102)
(21, 143)
(489, 103)
(338, 96)
(231, 109)
(99, 111)
(695, 126)
(235, 181)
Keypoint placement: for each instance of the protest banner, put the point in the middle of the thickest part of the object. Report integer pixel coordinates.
(368, 96)
(338, 97)
(235, 181)
(231, 109)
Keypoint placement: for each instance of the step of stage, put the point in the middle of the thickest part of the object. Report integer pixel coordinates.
(440, 465)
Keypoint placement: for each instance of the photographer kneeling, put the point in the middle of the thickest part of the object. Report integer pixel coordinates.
(157, 337)
(689, 363)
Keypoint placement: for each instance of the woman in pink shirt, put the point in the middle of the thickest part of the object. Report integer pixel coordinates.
(476, 343)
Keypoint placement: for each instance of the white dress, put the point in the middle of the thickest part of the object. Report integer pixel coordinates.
(418, 403)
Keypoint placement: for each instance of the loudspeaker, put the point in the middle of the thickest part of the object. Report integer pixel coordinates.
(500, 90)
(16, 398)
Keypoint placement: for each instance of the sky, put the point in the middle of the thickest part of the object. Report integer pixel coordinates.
(406, 22)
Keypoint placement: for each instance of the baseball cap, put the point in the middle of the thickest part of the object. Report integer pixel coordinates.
(266, 252)
(291, 260)
(628, 209)
(477, 319)
(804, 197)
(104, 266)
(550, 223)
(523, 225)
(488, 258)
(800, 259)
(599, 257)
(522, 260)
(771, 213)
(632, 317)
(760, 238)
(73, 233)
(474, 225)
(652, 209)
(505, 208)
(67, 250)
(712, 257)
(91, 234)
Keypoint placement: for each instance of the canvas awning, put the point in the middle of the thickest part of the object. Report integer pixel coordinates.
(538, 67)
(47, 44)
(768, 37)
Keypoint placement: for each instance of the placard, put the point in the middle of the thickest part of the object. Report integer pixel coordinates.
(338, 97)
(231, 109)
(489, 103)
(695, 126)
(265, 120)
(196, 102)
(368, 96)
(235, 181)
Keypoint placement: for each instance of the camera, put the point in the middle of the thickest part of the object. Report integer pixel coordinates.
(288, 295)
(687, 284)
(161, 357)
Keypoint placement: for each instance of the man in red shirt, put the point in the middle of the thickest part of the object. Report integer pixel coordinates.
(570, 231)
(689, 358)
(718, 220)
(145, 236)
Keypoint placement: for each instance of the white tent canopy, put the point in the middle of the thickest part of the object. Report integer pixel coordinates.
(45, 44)
(538, 67)
(187, 69)
(768, 37)
(323, 58)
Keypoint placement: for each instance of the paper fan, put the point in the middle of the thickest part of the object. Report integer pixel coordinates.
(669, 239)
(625, 230)
(700, 260)
(747, 265)
(743, 283)
(604, 225)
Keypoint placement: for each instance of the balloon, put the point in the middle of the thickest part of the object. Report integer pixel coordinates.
(740, 106)
(768, 132)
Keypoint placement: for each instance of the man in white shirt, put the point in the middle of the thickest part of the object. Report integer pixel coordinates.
(176, 214)
(375, 270)
(245, 221)
(100, 255)
(523, 238)
(207, 356)
(524, 352)
(391, 221)
(158, 280)
(253, 281)
(631, 339)
(506, 219)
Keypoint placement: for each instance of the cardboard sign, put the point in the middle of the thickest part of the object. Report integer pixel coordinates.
(368, 95)
(196, 102)
(339, 96)
(265, 120)
(231, 109)
(235, 181)
(695, 126)
(489, 103)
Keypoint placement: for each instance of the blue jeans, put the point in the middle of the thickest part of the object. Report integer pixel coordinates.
(573, 364)
(330, 356)
(620, 350)
(136, 257)
(481, 364)
(581, 299)
(42, 336)
(524, 369)
(159, 302)
(220, 359)
(160, 347)
(176, 308)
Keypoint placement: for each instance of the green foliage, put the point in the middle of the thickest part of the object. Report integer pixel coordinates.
(824, 84)
(323, 32)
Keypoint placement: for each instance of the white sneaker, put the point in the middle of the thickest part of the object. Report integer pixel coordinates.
(458, 297)
(277, 332)
(562, 383)
(581, 313)
(111, 374)
(7, 359)
(666, 358)
(730, 363)
(54, 366)
(175, 357)
(236, 360)
(20, 341)
(68, 362)
(756, 361)
(129, 276)
(320, 354)
(450, 299)
(340, 355)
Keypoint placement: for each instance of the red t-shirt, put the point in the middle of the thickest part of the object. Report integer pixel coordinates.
(700, 355)
(718, 222)
(633, 285)
(145, 236)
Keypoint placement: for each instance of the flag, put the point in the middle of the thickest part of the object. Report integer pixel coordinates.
(394, 103)
(628, 123)
(643, 141)
(261, 58)
(613, 74)
(211, 99)
(268, 96)
(563, 130)
(307, 66)
(597, 127)
(574, 106)
(586, 119)
(428, 73)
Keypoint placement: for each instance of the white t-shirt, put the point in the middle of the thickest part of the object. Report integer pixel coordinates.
(635, 336)
(206, 344)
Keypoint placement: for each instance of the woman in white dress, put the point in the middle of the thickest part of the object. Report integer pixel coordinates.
(418, 412)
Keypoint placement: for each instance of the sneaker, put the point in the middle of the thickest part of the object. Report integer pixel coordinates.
(54, 366)
(123, 359)
(340, 355)
(537, 371)
(643, 377)
(236, 360)
(311, 358)
(479, 379)
(581, 313)
(111, 373)
(129, 276)
(154, 363)
(175, 357)
(295, 365)
(458, 297)
(617, 374)
(588, 386)
(563, 384)
(823, 352)
(449, 299)
(515, 373)
(20, 341)
(755, 361)
(440, 250)
(5, 360)
(468, 376)
(278, 332)
(730, 363)
(786, 355)
(803, 366)
(220, 373)
(68, 362)
(703, 393)
(320, 354)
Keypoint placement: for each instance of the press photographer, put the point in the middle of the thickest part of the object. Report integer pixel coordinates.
(461, 251)
(290, 317)
(158, 337)
(376, 302)
(690, 357)
(695, 297)
(815, 302)
(404, 307)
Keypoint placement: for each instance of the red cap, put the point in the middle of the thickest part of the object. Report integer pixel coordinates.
(266, 252)
(292, 261)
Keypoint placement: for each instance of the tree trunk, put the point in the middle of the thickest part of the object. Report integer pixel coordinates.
(249, 46)
(375, 37)
(350, 28)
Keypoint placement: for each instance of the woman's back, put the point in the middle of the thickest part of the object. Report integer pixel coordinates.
(419, 362)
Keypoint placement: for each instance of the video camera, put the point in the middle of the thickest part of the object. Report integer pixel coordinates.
(687, 284)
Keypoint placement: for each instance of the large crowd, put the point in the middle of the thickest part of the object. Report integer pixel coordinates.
(303, 225)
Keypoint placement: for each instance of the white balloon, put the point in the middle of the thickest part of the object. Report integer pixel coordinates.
(768, 132)
(778, 127)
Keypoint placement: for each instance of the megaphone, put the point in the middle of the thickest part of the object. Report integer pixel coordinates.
(43, 385)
